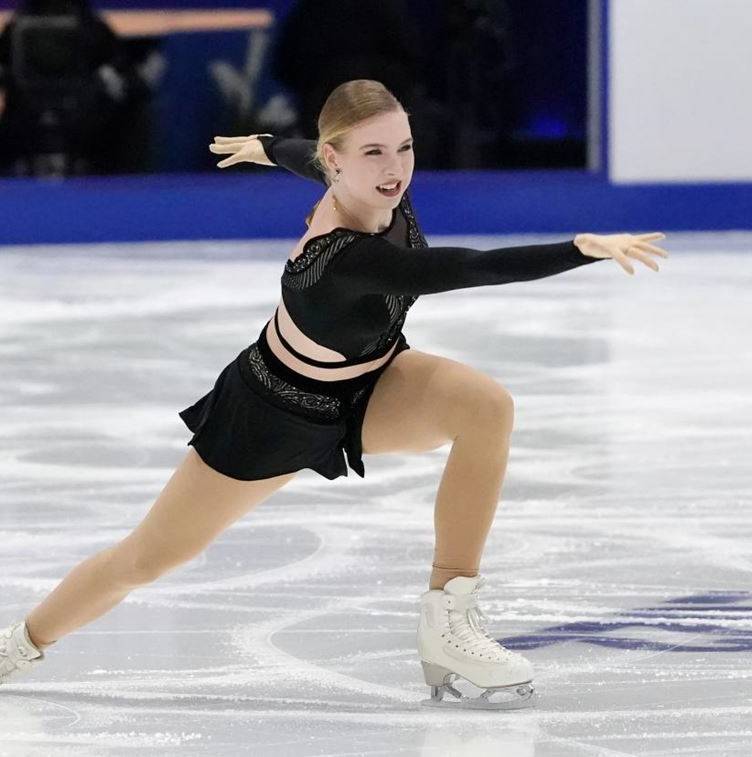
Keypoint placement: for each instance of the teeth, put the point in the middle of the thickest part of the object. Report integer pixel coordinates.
(389, 186)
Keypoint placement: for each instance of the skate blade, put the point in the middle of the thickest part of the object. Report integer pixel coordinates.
(522, 695)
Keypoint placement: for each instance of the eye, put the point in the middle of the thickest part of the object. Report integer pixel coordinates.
(378, 152)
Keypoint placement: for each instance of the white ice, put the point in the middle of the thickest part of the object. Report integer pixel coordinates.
(619, 562)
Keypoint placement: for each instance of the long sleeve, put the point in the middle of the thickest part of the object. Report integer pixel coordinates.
(296, 155)
(374, 265)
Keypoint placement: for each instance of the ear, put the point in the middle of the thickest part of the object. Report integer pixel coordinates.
(330, 157)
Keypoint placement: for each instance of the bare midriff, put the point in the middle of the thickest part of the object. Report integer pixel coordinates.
(306, 346)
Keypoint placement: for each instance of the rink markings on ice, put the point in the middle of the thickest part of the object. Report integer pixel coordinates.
(718, 638)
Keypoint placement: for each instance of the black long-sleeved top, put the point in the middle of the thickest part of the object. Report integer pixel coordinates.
(351, 290)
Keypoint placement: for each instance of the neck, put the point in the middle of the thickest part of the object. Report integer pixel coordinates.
(360, 217)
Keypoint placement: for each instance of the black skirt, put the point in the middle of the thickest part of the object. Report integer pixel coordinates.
(262, 420)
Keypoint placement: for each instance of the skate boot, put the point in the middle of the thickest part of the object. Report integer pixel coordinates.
(452, 643)
(17, 653)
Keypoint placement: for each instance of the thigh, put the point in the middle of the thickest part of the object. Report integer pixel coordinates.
(194, 507)
(422, 401)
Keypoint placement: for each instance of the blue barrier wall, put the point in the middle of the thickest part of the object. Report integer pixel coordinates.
(242, 206)
(268, 203)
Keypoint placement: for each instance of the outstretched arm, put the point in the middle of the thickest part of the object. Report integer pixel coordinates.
(296, 155)
(374, 265)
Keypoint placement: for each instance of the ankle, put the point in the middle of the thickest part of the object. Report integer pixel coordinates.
(38, 643)
(440, 575)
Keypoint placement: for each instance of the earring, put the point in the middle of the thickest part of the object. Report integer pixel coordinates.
(335, 180)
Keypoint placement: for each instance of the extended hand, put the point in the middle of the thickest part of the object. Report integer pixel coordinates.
(242, 149)
(620, 247)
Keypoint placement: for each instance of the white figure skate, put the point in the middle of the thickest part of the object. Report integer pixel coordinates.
(17, 653)
(452, 643)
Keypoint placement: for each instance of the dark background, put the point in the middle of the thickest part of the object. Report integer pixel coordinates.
(499, 84)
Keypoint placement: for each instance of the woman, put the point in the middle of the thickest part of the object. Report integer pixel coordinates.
(331, 373)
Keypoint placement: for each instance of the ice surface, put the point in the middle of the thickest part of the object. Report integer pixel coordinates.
(620, 561)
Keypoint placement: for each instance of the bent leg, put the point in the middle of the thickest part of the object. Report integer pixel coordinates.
(194, 507)
(467, 500)
(423, 401)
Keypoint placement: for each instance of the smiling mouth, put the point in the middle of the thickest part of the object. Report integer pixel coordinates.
(392, 191)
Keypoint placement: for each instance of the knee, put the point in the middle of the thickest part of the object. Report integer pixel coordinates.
(493, 410)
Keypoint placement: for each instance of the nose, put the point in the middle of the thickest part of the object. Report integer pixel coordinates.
(394, 170)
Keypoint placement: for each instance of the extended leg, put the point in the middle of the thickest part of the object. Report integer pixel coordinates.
(195, 506)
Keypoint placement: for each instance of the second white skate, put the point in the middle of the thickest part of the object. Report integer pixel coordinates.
(17, 652)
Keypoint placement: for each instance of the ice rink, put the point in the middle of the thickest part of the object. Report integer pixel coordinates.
(619, 563)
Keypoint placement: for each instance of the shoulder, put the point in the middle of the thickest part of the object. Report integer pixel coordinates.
(321, 249)
(318, 252)
(326, 244)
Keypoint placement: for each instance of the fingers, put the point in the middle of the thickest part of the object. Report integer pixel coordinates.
(636, 252)
(623, 247)
(619, 257)
(229, 162)
(651, 248)
(225, 149)
(622, 261)
(611, 247)
(231, 146)
(226, 140)
(232, 150)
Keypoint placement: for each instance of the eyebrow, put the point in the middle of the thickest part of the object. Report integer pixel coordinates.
(374, 144)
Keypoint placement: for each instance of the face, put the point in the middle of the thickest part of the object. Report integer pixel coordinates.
(378, 151)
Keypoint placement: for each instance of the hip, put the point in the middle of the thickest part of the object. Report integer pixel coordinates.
(315, 401)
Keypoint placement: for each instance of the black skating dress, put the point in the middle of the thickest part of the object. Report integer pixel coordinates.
(349, 291)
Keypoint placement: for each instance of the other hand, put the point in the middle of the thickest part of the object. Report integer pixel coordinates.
(621, 247)
(241, 150)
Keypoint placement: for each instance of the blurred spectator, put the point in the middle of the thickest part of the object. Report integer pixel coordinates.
(69, 97)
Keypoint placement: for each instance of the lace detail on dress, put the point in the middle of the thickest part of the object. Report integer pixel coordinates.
(415, 235)
(398, 305)
(315, 406)
(357, 395)
(309, 266)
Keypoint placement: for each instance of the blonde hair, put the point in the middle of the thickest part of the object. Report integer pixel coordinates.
(347, 105)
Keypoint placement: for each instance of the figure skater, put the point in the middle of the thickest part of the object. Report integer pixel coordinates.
(331, 375)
